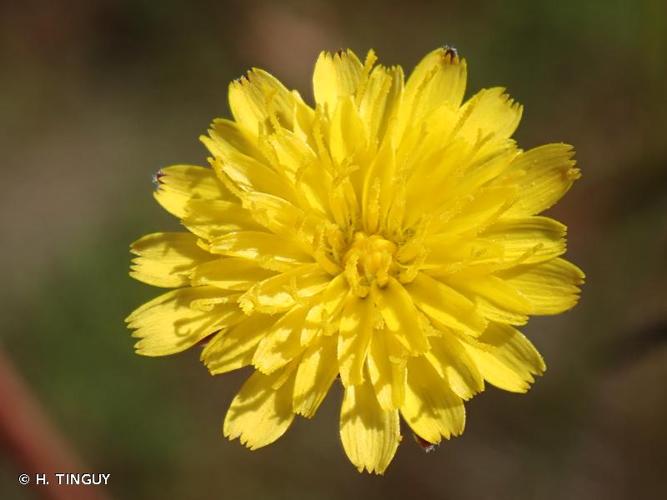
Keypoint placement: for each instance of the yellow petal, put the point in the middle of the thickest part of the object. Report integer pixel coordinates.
(281, 344)
(324, 315)
(347, 134)
(527, 240)
(292, 153)
(505, 358)
(344, 205)
(243, 174)
(493, 312)
(303, 168)
(430, 408)
(170, 323)
(476, 174)
(378, 188)
(380, 100)
(550, 287)
(166, 259)
(274, 213)
(386, 367)
(370, 435)
(548, 173)
(179, 184)
(281, 292)
(449, 254)
(485, 207)
(356, 328)
(260, 413)
(336, 75)
(426, 183)
(317, 371)
(400, 317)
(284, 219)
(266, 249)
(439, 79)
(445, 305)
(458, 186)
(489, 111)
(233, 349)
(227, 135)
(211, 219)
(259, 102)
(450, 360)
(230, 273)
(496, 299)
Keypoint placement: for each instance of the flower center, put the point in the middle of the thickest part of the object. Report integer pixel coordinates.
(370, 259)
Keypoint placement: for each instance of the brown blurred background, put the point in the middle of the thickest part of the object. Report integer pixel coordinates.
(95, 96)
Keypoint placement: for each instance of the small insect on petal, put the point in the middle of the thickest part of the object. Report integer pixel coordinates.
(156, 179)
(451, 52)
(427, 446)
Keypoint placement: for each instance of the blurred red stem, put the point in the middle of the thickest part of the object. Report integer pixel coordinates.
(33, 442)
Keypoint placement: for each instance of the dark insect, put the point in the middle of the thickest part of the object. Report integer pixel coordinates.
(427, 446)
(156, 179)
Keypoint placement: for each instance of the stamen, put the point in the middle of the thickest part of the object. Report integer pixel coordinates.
(353, 277)
(324, 255)
(369, 262)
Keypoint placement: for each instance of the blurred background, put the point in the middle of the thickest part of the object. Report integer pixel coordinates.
(96, 96)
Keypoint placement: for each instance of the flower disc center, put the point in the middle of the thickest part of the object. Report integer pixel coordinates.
(370, 259)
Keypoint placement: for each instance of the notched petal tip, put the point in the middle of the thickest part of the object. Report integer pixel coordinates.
(343, 53)
(572, 174)
(242, 81)
(370, 60)
(245, 78)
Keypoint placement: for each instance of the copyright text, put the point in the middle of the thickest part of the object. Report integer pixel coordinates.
(66, 479)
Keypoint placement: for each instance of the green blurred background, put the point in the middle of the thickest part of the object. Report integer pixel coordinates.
(95, 96)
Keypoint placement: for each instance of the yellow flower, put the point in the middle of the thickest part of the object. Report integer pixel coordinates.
(388, 237)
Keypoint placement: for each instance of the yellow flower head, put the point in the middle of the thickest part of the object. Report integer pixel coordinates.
(387, 237)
